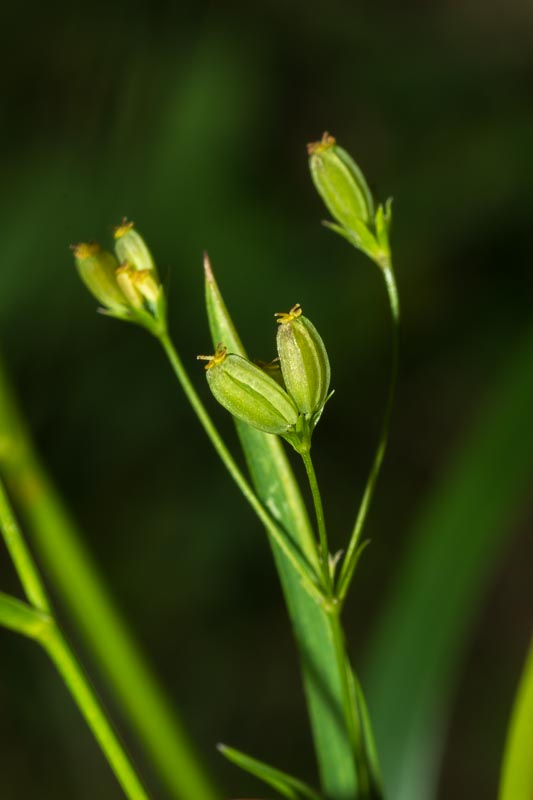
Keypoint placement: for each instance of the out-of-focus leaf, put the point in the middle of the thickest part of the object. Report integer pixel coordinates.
(453, 550)
(21, 617)
(58, 543)
(285, 784)
(517, 770)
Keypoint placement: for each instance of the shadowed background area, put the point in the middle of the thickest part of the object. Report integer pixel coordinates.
(192, 120)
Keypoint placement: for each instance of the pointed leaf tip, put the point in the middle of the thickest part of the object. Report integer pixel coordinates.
(207, 267)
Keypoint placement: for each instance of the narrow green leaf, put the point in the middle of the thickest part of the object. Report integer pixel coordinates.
(277, 487)
(454, 548)
(517, 770)
(21, 617)
(284, 784)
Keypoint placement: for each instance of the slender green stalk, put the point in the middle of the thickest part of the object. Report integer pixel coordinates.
(21, 556)
(353, 723)
(350, 560)
(320, 521)
(297, 560)
(22, 618)
(54, 643)
(145, 707)
(78, 685)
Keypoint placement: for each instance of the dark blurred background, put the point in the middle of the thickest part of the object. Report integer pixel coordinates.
(192, 120)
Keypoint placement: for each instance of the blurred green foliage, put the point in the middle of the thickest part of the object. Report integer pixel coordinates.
(192, 119)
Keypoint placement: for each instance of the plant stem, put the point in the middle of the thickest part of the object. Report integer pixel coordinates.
(21, 556)
(350, 560)
(320, 521)
(296, 558)
(366, 788)
(78, 685)
(22, 618)
(353, 723)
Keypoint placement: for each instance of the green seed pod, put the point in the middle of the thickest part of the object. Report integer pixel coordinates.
(131, 248)
(304, 362)
(340, 183)
(97, 268)
(249, 394)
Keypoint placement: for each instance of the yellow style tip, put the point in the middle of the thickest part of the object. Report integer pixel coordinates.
(123, 228)
(325, 143)
(217, 358)
(284, 317)
(84, 250)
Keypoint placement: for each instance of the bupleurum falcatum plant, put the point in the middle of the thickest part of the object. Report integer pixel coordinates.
(274, 406)
(281, 401)
(271, 404)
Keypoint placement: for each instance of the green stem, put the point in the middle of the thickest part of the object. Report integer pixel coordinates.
(353, 722)
(320, 521)
(297, 560)
(21, 556)
(22, 618)
(350, 560)
(78, 685)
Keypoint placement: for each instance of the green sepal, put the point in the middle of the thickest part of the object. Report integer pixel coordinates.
(286, 785)
(363, 240)
(383, 222)
(299, 436)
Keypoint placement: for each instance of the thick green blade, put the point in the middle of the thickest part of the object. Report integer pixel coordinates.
(284, 784)
(517, 771)
(276, 485)
(454, 547)
(21, 617)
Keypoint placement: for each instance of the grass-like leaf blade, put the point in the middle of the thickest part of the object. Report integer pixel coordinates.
(286, 785)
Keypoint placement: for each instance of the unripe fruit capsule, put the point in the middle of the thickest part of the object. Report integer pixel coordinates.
(249, 394)
(340, 183)
(96, 268)
(304, 362)
(131, 248)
